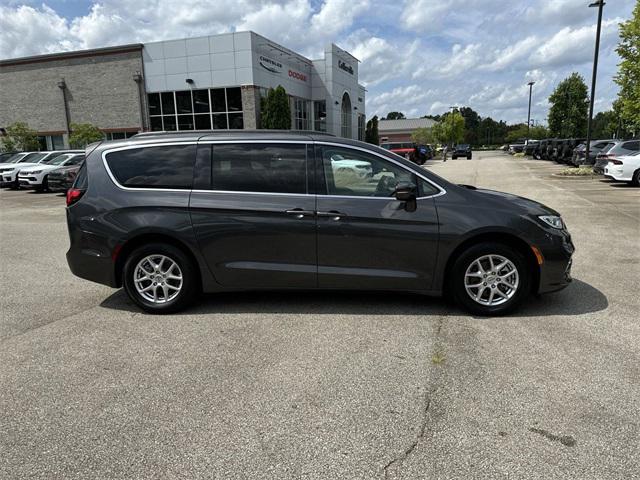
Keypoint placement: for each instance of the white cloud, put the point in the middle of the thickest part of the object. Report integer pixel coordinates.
(574, 46)
(418, 56)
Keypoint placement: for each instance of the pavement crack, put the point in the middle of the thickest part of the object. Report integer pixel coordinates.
(438, 350)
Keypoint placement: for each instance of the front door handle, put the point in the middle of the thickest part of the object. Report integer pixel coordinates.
(334, 214)
(299, 213)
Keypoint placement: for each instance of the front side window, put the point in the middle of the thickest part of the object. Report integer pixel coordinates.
(356, 173)
(251, 167)
(169, 166)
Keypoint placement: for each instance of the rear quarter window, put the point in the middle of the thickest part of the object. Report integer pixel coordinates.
(166, 166)
(633, 146)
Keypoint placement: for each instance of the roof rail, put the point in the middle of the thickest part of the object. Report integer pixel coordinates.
(209, 132)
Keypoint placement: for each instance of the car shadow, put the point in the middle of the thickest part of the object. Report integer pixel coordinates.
(577, 299)
(622, 185)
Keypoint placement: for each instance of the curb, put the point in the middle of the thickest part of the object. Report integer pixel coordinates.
(575, 177)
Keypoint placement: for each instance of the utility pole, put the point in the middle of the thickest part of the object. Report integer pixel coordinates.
(600, 4)
(529, 114)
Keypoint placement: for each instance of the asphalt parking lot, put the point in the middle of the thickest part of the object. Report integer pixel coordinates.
(326, 385)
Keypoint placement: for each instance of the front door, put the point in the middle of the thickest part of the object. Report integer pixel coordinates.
(366, 238)
(252, 214)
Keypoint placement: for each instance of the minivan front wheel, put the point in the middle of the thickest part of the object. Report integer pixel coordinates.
(160, 278)
(491, 279)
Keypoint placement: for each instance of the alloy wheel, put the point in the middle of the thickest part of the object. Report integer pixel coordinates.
(157, 279)
(491, 280)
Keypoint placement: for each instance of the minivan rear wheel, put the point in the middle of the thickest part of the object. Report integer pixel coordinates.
(160, 278)
(490, 279)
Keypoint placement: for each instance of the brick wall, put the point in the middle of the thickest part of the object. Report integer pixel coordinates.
(100, 90)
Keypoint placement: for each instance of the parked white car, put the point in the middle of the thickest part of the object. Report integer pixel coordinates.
(624, 169)
(9, 171)
(358, 168)
(36, 177)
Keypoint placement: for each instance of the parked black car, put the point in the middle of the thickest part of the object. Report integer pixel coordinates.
(462, 150)
(61, 179)
(169, 215)
(551, 143)
(579, 153)
(540, 151)
(612, 151)
(566, 150)
(530, 147)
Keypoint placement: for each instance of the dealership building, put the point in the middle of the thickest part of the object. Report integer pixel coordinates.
(213, 82)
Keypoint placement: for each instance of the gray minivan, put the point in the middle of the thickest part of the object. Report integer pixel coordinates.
(170, 215)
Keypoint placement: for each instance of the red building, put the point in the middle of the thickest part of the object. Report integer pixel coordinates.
(401, 130)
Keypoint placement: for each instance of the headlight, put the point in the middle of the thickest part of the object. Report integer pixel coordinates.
(35, 172)
(552, 220)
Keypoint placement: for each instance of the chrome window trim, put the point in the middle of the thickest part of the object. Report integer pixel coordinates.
(145, 145)
(441, 192)
(104, 154)
(255, 193)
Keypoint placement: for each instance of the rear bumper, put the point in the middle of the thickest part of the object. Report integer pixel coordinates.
(91, 265)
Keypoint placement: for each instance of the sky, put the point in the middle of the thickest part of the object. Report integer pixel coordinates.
(417, 56)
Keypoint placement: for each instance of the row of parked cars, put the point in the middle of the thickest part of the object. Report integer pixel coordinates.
(52, 171)
(417, 153)
(614, 158)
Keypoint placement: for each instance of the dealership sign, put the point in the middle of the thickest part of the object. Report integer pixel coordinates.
(297, 75)
(345, 66)
(272, 65)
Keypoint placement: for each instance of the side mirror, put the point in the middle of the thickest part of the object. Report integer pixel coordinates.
(407, 193)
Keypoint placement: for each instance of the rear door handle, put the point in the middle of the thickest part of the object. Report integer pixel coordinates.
(334, 214)
(299, 213)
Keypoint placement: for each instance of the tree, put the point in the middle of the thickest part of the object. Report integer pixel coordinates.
(276, 113)
(471, 124)
(82, 134)
(569, 108)
(371, 132)
(628, 76)
(450, 129)
(395, 116)
(604, 125)
(520, 132)
(423, 136)
(20, 137)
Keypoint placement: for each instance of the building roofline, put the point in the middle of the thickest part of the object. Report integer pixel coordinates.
(50, 57)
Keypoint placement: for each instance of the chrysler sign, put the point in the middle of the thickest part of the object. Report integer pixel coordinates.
(272, 65)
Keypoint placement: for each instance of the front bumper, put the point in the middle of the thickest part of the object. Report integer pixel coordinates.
(555, 271)
(29, 181)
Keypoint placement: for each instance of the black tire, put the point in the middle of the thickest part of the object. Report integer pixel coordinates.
(190, 285)
(45, 183)
(453, 157)
(464, 261)
(468, 157)
(635, 180)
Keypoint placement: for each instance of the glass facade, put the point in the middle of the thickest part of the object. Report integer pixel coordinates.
(206, 109)
(361, 126)
(320, 115)
(301, 117)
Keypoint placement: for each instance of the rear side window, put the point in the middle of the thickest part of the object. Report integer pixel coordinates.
(167, 166)
(82, 181)
(634, 146)
(253, 167)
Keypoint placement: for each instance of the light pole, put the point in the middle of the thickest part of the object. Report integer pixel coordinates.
(600, 4)
(529, 114)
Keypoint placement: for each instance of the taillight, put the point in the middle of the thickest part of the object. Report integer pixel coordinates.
(73, 195)
(616, 162)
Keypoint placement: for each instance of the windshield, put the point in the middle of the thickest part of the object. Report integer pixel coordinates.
(75, 160)
(15, 158)
(59, 160)
(32, 158)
